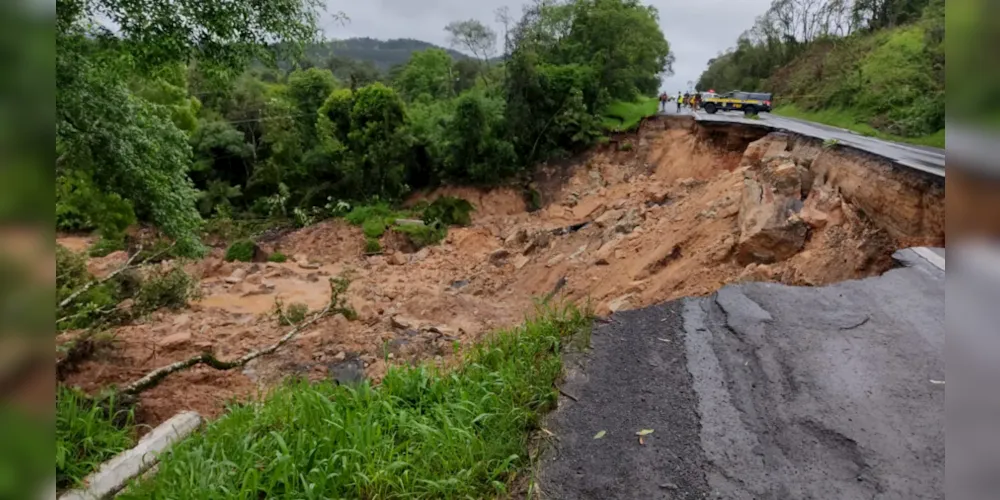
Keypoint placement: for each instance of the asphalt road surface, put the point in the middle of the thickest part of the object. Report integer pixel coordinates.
(762, 391)
(923, 158)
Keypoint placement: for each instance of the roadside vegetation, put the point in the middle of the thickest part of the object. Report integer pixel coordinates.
(157, 128)
(873, 66)
(424, 432)
(88, 433)
(846, 120)
(182, 124)
(623, 116)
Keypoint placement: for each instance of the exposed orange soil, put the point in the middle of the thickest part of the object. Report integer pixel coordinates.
(662, 223)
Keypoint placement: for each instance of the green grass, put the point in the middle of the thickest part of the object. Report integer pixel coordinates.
(381, 212)
(423, 433)
(624, 115)
(277, 257)
(422, 236)
(372, 246)
(87, 434)
(376, 219)
(845, 119)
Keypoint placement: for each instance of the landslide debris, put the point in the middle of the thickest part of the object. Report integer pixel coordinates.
(674, 216)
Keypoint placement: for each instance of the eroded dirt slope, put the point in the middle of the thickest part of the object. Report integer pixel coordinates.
(675, 216)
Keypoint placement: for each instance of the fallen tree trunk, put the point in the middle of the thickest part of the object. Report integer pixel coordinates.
(154, 377)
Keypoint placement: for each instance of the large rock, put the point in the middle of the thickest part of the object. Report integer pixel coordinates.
(773, 144)
(398, 259)
(238, 275)
(404, 322)
(499, 256)
(770, 227)
(823, 206)
(608, 218)
(517, 238)
(520, 261)
(538, 240)
(175, 340)
(620, 303)
(657, 194)
(628, 222)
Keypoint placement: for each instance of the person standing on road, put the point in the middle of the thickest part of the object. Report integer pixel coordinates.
(663, 101)
(679, 101)
(696, 101)
(687, 99)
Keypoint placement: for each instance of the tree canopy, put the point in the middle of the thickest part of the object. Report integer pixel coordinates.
(179, 111)
(880, 60)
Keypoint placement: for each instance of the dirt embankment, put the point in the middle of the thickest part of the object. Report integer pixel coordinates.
(683, 212)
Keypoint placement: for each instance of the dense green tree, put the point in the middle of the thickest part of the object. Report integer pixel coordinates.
(354, 73)
(427, 76)
(307, 90)
(370, 129)
(622, 41)
(178, 115)
(120, 139)
(466, 72)
(568, 60)
(477, 149)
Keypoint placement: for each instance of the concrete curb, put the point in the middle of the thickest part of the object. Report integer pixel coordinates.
(930, 256)
(117, 472)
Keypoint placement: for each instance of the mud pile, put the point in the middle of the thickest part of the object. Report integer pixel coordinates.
(675, 215)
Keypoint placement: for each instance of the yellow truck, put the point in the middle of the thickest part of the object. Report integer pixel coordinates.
(750, 103)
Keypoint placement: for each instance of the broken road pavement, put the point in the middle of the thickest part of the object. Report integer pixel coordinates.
(762, 391)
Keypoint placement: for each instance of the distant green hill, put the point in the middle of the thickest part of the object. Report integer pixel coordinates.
(383, 54)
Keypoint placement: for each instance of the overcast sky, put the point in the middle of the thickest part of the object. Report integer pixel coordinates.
(696, 29)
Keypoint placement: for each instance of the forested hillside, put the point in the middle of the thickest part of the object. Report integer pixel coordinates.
(383, 54)
(173, 120)
(873, 65)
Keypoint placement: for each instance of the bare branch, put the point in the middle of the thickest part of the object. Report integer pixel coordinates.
(65, 302)
(154, 377)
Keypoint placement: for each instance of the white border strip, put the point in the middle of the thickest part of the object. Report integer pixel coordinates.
(930, 256)
(117, 472)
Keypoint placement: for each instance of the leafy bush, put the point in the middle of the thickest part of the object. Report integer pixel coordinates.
(373, 228)
(379, 211)
(372, 246)
(81, 206)
(241, 251)
(627, 115)
(277, 257)
(423, 235)
(533, 199)
(89, 306)
(87, 434)
(171, 289)
(450, 211)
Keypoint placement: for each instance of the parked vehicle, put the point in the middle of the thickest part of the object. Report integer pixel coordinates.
(750, 103)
